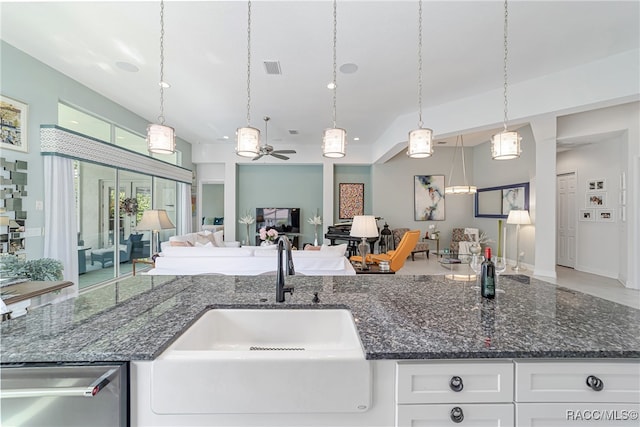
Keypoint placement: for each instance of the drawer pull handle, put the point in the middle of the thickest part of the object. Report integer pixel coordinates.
(456, 383)
(456, 414)
(595, 383)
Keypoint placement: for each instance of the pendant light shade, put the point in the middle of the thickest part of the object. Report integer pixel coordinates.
(459, 189)
(505, 145)
(420, 143)
(248, 142)
(161, 139)
(248, 138)
(334, 142)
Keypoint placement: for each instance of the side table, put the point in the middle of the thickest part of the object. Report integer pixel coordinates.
(148, 261)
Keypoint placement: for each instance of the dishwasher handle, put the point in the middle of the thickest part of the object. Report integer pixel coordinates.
(83, 391)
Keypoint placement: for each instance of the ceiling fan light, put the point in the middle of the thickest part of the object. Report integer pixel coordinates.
(334, 142)
(248, 142)
(505, 145)
(161, 139)
(420, 143)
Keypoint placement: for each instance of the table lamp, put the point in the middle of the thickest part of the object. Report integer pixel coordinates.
(155, 220)
(518, 217)
(364, 226)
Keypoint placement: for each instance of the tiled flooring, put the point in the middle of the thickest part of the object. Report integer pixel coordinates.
(602, 287)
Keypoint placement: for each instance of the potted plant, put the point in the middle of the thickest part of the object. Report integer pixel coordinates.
(36, 269)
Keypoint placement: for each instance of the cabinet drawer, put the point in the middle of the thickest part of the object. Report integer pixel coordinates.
(578, 381)
(437, 382)
(468, 415)
(577, 414)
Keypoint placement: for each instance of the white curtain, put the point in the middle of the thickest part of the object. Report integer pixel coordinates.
(184, 225)
(60, 229)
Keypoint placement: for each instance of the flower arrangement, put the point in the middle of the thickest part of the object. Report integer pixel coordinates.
(315, 221)
(129, 206)
(483, 239)
(433, 231)
(247, 220)
(269, 235)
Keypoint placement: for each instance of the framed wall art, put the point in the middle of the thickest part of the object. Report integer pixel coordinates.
(350, 200)
(13, 125)
(496, 202)
(596, 200)
(605, 215)
(596, 185)
(587, 215)
(429, 201)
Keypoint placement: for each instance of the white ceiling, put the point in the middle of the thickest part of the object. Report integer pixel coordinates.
(205, 56)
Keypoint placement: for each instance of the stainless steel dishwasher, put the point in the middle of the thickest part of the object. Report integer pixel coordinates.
(52, 395)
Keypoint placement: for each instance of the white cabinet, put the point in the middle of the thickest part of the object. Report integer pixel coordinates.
(449, 393)
(570, 392)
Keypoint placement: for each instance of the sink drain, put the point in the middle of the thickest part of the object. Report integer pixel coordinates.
(255, 348)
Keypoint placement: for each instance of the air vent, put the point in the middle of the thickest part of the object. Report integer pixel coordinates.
(272, 67)
(442, 142)
(293, 132)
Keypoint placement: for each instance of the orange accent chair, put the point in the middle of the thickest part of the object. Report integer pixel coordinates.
(395, 257)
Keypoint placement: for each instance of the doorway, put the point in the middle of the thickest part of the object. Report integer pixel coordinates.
(566, 219)
(212, 206)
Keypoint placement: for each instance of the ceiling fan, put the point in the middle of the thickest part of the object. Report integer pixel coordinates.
(267, 150)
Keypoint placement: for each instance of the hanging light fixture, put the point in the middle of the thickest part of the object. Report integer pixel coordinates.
(421, 139)
(161, 139)
(459, 189)
(334, 140)
(505, 145)
(248, 138)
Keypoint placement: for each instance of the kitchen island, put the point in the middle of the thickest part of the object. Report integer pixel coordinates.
(397, 317)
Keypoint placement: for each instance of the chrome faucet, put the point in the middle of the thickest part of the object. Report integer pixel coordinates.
(281, 289)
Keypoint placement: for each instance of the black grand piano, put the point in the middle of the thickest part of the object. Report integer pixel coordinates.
(342, 231)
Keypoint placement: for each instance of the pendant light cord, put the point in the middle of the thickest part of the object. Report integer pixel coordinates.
(453, 162)
(420, 64)
(506, 52)
(161, 116)
(335, 40)
(249, 64)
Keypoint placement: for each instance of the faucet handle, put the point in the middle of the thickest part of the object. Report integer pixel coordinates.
(315, 299)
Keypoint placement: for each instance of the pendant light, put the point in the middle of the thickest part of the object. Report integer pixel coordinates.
(248, 138)
(459, 189)
(334, 140)
(421, 139)
(505, 145)
(161, 139)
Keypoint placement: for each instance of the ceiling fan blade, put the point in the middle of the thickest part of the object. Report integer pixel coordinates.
(285, 151)
(278, 156)
(258, 156)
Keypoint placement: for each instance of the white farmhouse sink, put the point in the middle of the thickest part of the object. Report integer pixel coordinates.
(264, 361)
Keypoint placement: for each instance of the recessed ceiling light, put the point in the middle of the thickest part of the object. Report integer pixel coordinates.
(164, 84)
(331, 85)
(127, 66)
(348, 68)
(356, 138)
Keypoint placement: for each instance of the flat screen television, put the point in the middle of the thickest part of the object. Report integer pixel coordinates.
(284, 220)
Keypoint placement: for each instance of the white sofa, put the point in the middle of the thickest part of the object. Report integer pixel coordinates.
(248, 261)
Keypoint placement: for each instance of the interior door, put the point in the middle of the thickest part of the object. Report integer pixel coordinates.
(566, 220)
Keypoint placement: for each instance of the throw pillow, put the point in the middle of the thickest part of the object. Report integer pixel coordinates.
(218, 238)
(180, 243)
(135, 237)
(341, 249)
(218, 221)
(204, 237)
(204, 245)
(207, 220)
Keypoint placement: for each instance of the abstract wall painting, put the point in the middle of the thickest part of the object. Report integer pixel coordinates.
(13, 125)
(429, 202)
(351, 200)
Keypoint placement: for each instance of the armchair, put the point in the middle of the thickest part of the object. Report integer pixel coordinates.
(398, 233)
(398, 256)
(461, 239)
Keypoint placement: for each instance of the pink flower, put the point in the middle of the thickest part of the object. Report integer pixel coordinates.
(271, 234)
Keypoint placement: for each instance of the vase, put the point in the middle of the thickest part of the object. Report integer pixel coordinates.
(266, 243)
(475, 249)
(248, 237)
(315, 237)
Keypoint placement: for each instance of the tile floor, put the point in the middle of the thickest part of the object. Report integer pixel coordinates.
(599, 286)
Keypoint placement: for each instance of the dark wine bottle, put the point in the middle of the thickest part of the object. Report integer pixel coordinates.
(488, 276)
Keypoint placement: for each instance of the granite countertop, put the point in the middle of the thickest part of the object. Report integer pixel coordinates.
(398, 317)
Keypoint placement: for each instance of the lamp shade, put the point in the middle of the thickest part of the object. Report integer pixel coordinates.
(364, 226)
(248, 142)
(161, 139)
(334, 143)
(518, 217)
(155, 220)
(505, 146)
(420, 143)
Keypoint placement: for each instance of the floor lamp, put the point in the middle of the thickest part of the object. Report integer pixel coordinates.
(155, 220)
(364, 226)
(518, 217)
